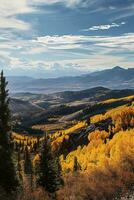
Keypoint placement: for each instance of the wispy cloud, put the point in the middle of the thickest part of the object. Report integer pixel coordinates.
(12, 23)
(67, 3)
(112, 5)
(81, 41)
(9, 11)
(79, 51)
(104, 26)
(67, 43)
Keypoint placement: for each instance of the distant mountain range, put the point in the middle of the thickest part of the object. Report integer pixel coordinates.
(115, 78)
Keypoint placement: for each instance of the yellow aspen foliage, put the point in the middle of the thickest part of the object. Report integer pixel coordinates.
(36, 159)
(99, 154)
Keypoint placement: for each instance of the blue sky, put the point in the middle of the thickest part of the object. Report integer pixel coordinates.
(50, 38)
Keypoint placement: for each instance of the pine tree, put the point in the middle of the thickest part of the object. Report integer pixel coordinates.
(8, 180)
(76, 166)
(49, 169)
(19, 165)
(27, 162)
(88, 121)
(28, 168)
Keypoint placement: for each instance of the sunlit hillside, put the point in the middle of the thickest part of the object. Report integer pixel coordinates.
(105, 166)
(96, 154)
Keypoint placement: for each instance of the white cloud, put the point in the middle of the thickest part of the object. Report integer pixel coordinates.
(13, 24)
(8, 11)
(67, 3)
(86, 42)
(104, 27)
(62, 42)
(68, 42)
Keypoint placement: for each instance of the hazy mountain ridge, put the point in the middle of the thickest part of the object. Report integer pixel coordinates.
(115, 78)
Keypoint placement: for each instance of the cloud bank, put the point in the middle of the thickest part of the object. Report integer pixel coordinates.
(83, 53)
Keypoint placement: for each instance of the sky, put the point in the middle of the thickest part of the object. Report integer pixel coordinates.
(52, 38)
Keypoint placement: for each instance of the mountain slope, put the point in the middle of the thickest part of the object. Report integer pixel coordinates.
(24, 108)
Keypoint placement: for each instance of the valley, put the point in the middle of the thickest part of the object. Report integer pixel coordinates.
(60, 110)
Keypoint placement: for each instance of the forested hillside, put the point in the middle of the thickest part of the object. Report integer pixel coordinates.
(96, 154)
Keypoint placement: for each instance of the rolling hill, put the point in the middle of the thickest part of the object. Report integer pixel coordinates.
(61, 109)
(24, 108)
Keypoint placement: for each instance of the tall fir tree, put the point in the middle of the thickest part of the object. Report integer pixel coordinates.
(8, 179)
(19, 165)
(76, 166)
(49, 173)
(28, 168)
(27, 162)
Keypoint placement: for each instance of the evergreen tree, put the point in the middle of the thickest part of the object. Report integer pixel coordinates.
(76, 166)
(8, 180)
(88, 121)
(19, 165)
(49, 169)
(28, 168)
(27, 162)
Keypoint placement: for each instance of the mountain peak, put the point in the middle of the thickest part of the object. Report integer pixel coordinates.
(118, 68)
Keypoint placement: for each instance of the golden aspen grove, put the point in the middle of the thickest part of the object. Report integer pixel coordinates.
(103, 168)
